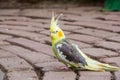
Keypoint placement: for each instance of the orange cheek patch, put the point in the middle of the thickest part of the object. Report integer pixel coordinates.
(60, 34)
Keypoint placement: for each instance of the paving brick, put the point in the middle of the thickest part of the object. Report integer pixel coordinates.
(114, 38)
(36, 46)
(39, 13)
(98, 52)
(8, 12)
(109, 45)
(45, 32)
(42, 25)
(71, 76)
(22, 75)
(117, 75)
(78, 19)
(111, 17)
(96, 33)
(1, 75)
(2, 43)
(66, 32)
(70, 27)
(43, 40)
(15, 49)
(23, 28)
(32, 57)
(38, 20)
(70, 11)
(21, 33)
(59, 76)
(97, 25)
(50, 66)
(14, 18)
(87, 75)
(14, 63)
(4, 37)
(84, 38)
(21, 23)
(99, 20)
(114, 60)
(5, 54)
(113, 23)
(70, 17)
(80, 44)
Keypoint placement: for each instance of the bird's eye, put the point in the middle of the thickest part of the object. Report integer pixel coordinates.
(56, 31)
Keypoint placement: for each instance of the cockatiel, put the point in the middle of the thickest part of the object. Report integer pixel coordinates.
(70, 54)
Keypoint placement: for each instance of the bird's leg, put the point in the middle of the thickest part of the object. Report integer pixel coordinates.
(76, 72)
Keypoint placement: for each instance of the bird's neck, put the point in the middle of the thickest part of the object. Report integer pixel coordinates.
(57, 39)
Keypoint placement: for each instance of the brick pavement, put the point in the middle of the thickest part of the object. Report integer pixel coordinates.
(25, 47)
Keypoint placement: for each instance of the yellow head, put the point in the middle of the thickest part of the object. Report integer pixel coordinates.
(56, 33)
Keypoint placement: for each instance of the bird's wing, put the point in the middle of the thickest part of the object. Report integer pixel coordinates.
(70, 53)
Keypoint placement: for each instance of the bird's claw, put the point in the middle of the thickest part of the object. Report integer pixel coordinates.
(63, 68)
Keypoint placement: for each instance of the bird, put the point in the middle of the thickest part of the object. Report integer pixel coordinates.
(70, 54)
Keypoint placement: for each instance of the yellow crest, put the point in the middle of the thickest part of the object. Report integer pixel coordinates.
(54, 23)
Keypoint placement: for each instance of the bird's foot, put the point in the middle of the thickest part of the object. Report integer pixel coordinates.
(77, 76)
(64, 68)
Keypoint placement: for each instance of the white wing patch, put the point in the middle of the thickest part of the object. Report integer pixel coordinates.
(60, 53)
(58, 46)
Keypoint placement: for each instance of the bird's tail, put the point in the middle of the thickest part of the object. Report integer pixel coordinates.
(98, 66)
(108, 67)
(95, 65)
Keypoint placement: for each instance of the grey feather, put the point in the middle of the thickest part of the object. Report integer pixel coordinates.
(69, 52)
